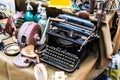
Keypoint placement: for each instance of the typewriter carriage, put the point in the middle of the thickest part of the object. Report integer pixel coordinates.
(69, 39)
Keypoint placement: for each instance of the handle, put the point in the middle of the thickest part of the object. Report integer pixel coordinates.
(58, 20)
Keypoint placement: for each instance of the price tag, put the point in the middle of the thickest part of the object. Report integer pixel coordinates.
(60, 3)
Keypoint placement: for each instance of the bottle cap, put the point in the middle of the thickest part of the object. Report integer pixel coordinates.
(29, 7)
(39, 7)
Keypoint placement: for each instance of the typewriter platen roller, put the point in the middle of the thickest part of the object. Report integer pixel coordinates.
(68, 42)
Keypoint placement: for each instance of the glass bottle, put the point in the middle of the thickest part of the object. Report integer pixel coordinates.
(42, 22)
(28, 15)
(38, 15)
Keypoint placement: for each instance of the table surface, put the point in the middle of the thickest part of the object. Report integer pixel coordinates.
(13, 72)
(86, 71)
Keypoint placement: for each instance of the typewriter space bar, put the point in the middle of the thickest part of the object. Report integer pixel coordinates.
(80, 41)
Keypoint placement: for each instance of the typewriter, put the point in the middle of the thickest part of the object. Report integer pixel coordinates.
(68, 42)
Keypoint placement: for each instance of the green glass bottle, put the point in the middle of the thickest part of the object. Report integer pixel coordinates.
(28, 15)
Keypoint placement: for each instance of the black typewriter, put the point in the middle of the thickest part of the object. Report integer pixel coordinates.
(68, 42)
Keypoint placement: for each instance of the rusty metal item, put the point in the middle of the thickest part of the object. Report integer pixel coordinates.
(10, 24)
(29, 33)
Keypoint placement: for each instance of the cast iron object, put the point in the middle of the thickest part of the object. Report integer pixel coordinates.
(29, 33)
(10, 26)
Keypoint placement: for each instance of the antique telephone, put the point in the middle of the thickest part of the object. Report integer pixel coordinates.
(68, 42)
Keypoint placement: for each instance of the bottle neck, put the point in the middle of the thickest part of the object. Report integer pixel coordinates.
(29, 7)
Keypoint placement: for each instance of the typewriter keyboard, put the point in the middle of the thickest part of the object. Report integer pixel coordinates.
(60, 58)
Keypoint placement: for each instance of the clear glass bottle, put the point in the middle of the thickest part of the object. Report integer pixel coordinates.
(42, 22)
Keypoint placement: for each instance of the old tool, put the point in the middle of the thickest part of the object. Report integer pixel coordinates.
(10, 26)
(29, 34)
